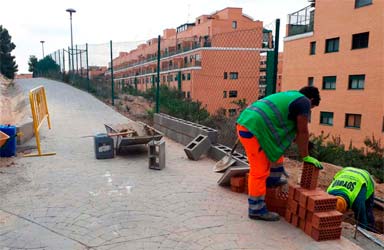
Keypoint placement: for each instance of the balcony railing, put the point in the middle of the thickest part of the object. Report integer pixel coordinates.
(301, 21)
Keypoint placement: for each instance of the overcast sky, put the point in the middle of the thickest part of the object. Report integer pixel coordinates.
(30, 21)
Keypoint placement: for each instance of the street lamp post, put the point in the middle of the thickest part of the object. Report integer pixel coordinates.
(42, 47)
(70, 17)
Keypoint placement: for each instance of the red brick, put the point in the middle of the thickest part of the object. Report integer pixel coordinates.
(302, 224)
(308, 228)
(293, 206)
(326, 234)
(304, 194)
(291, 191)
(238, 181)
(309, 176)
(308, 216)
(288, 216)
(302, 212)
(237, 189)
(327, 219)
(321, 203)
(295, 220)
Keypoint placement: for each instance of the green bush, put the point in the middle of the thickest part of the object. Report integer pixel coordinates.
(332, 150)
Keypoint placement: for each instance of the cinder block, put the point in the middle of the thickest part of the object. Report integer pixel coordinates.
(199, 146)
(321, 203)
(309, 176)
(25, 128)
(304, 194)
(329, 219)
(156, 154)
(326, 234)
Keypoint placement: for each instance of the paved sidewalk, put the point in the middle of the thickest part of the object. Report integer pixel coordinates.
(73, 201)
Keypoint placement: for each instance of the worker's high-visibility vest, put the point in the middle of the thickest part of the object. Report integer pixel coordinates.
(267, 119)
(349, 181)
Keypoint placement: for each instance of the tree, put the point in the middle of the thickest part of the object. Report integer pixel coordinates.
(8, 66)
(32, 65)
(46, 67)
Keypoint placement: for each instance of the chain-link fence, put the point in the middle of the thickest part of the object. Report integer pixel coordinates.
(208, 79)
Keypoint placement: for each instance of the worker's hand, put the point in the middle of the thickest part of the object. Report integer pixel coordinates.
(313, 161)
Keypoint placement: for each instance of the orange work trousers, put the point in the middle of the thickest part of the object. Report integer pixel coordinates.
(258, 162)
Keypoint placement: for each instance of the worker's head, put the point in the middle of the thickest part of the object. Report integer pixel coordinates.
(341, 204)
(312, 93)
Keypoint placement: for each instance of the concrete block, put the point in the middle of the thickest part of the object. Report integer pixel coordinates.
(25, 128)
(156, 154)
(197, 147)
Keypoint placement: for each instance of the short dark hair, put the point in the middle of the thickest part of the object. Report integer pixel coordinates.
(311, 92)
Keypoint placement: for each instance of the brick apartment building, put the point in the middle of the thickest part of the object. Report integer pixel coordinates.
(215, 60)
(338, 47)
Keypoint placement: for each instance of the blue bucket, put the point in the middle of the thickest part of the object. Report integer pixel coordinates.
(9, 148)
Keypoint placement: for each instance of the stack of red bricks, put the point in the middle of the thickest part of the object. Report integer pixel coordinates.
(311, 209)
(276, 200)
(239, 184)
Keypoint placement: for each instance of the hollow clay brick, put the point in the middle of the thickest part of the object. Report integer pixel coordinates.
(326, 234)
(302, 224)
(302, 212)
(293, 206)
(308, 228)
(291, 191)
(309, 176)
(295, 220)
(304, 194)
(296, 196)
(321, 203)
(329, 219)
(308, 216)
(238, 181)
(237, 189)
(288, 216)
(246, 183)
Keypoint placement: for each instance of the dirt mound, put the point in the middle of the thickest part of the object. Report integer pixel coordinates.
(134, 107)
(13, 102)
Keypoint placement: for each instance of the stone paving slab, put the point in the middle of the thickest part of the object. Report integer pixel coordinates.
(73, 201)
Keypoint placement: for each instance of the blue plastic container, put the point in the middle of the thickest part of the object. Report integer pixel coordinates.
(9, 148)
(104, 148)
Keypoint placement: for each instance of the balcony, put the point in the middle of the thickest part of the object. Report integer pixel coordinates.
(301, 21)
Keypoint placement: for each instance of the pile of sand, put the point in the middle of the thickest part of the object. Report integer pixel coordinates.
(13, 102)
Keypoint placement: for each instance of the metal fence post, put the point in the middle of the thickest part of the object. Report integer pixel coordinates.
(86, 49)
(77, 61)
(272, 61)
(158, 76)
(112, 81)
(63, 65)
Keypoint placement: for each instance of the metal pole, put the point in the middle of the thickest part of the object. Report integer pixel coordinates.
(59, 60)
(77, 61)
(81, 63)
(42, 47)
(69, 63)
(276, 55)
(158, 76)
(86, 48)
(113, 84)
(73, 65)
(63, 65)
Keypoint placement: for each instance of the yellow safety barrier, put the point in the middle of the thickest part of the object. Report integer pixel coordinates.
(39, 108)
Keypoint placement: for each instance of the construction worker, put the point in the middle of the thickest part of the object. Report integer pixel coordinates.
(266, 129)
(354, 188)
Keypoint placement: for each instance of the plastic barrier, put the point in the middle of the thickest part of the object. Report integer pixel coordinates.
(39, 109)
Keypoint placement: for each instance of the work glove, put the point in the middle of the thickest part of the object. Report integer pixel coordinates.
(313, 161)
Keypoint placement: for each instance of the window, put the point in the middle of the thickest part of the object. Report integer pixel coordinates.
(361, 3)
(310, 81)
(326, 118)
(352, 120)
(234, 24)
(232, 112)
(332, 45)
(189, 95)
(189, 76)
(312, 48)
(232, 93)
(183, 77)
(360, 41)
(356, 82)
(329, 82)
(233, 75)
(225, 75)
(224, 94)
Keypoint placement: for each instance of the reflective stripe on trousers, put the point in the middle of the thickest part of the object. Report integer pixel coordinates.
(259, 165)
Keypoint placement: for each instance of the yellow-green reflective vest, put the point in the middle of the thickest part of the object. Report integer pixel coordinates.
(349, 181)
(267, 119)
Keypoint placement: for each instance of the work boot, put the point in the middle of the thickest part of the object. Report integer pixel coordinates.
(268, 216)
